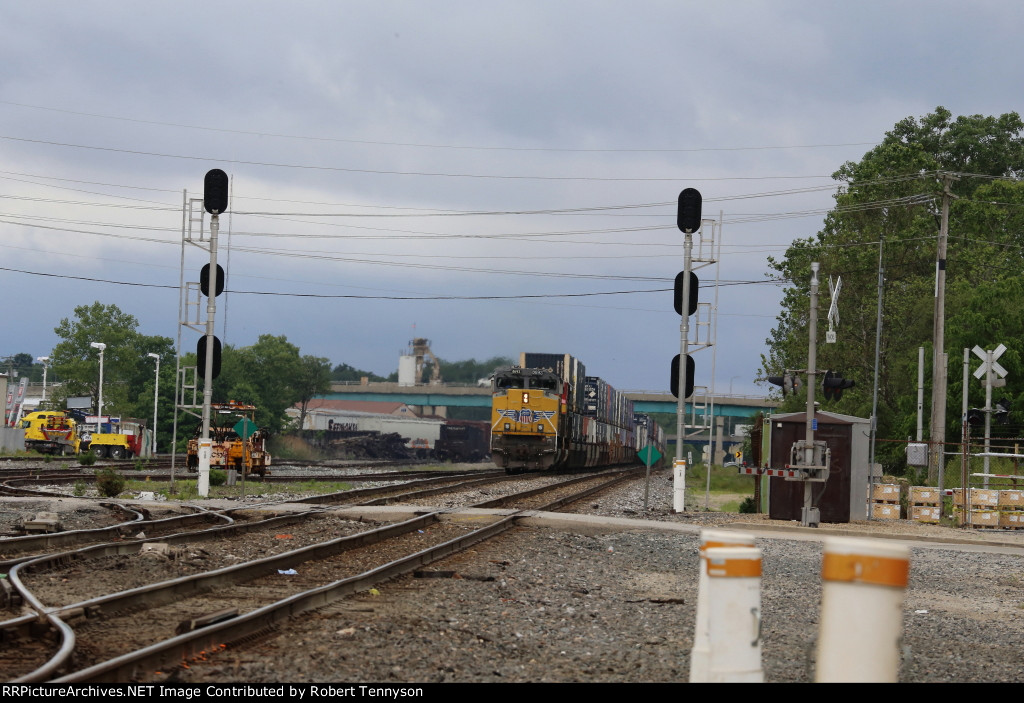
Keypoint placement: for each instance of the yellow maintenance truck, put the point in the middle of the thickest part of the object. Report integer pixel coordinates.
(51, 432)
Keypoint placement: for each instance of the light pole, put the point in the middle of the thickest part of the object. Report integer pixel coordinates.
(44, 360)
(99, 409)
(156, 391)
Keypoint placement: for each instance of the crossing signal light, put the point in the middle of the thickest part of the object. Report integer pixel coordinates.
(975, 417)
(1003, 411)
(834, 384)
(788, 382)
(674, 382)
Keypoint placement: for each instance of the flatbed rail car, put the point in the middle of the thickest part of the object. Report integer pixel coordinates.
(547, 413)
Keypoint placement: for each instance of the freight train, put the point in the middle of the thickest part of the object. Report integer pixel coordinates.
(546, 413)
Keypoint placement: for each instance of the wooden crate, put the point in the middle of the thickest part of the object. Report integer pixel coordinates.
(885, 511)
(885, 493)
(1012, 518)
(924, 495)
(1011, 498)
(980, 497)
(979, 518)
(925, 513)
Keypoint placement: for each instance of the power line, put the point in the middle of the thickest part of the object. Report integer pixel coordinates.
(385, 172)
(429, 146)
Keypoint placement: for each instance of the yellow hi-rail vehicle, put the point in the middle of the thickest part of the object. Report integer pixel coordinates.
(51, 432)
(230, 451)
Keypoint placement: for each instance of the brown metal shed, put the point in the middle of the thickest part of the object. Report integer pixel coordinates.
(843, 497)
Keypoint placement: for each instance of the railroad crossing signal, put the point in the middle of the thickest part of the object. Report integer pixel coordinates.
(989, 362)
(834, 384)
(789, 383)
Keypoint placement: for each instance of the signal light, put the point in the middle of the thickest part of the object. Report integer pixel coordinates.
(201, 357)
(678, 301)
(1003, 411)
(788, 382)
(204, 281)
(215, 191)
(834, 384)
(688, 212)
(975, 417)
(674, 380)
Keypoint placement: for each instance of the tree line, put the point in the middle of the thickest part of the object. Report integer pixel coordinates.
(271, 374)
(886, 216)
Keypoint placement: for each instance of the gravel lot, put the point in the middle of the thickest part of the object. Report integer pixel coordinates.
(618, 605)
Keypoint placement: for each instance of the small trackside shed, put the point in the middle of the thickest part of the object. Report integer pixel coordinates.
(843, 497)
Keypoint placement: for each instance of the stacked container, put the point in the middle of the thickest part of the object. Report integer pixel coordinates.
(925, 504)
(885, 501)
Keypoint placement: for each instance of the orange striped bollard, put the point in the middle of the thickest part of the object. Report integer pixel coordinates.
(863, 587)
(699, 655)
(734, 614)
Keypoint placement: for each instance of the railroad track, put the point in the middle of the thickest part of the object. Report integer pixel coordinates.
(134, 633)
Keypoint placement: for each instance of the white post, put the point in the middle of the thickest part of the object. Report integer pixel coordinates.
(863, 585)
(734, 614)
(99, 410)
(44, 360)
(205, 453)
(700, 654)
(156, 395)
(679, 485)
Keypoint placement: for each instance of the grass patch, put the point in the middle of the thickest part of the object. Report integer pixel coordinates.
(188, 489)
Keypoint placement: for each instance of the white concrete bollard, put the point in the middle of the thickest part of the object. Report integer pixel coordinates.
(863, 586)
(734, 614)
(679, 486)
(709, 539)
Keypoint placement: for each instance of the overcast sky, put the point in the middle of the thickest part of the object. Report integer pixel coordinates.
(496, 177)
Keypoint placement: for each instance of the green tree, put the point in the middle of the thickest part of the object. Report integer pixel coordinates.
(313, 378)
(127, 370)
(343, 373)
(888, 206)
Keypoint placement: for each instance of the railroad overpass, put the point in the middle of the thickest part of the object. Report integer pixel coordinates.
(730, 411)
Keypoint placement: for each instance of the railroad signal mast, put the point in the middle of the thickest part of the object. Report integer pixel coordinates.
(208, 349)
(685, 302)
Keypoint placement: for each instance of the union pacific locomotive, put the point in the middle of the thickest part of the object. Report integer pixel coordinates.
(547, 413)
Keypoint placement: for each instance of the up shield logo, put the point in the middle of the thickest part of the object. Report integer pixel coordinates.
(525, 416)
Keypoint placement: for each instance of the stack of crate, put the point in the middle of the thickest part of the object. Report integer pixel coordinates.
(1011, 508)
(885, 501)
(984, 507)
(925, 504)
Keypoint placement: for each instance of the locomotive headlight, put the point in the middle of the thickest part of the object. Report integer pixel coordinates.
(508, 426)
(526, 398)
(540, 427)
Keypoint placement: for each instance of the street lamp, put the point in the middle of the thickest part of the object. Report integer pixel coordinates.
(156, 391)
(44, 361)
(99, 409)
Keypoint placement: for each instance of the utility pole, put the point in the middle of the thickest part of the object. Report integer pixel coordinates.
(938, 418)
